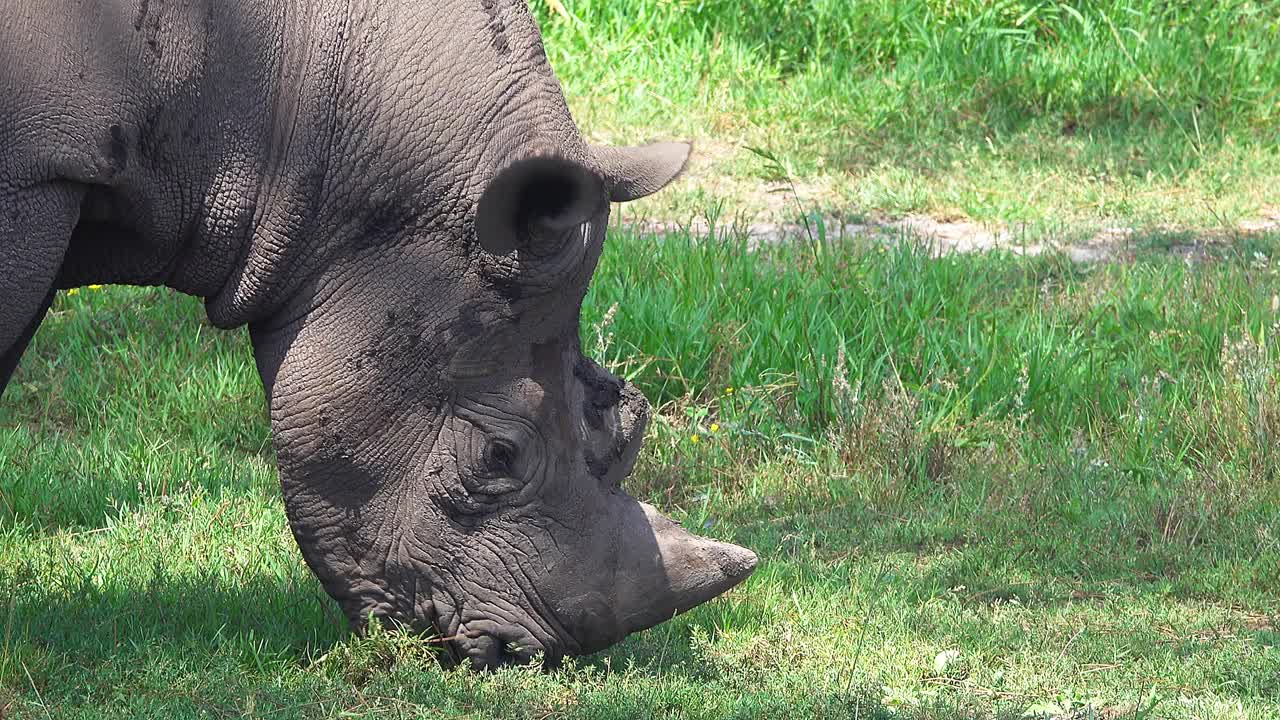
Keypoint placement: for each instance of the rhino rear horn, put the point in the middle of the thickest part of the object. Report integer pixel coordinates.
(536, 196)
(634, 172)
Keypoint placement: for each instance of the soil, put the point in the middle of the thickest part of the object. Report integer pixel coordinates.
(964, 236)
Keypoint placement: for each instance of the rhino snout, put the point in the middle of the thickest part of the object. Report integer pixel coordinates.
(661, 570)
(486, 645)
(672, 570)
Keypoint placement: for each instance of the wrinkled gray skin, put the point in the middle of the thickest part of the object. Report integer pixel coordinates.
(394, 198)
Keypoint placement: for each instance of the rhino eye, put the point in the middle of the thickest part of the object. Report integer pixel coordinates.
(500, 457)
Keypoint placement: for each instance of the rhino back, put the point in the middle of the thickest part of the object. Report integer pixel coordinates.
(233, 148)
(160, 109)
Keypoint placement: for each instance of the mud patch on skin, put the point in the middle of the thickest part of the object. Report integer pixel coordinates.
(497, 28)
(142, 14)
(148, 23)
(386, 219)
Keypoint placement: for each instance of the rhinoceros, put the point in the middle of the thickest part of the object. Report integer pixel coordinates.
(394, 198)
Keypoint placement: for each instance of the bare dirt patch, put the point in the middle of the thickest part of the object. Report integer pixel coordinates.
(1268, 222)
(965, 236)
(750, 198)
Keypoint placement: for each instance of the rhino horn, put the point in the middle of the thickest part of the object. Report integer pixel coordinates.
(691, 570)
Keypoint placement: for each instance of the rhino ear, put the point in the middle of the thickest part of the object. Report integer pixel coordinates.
(634, 172)
(535, 200)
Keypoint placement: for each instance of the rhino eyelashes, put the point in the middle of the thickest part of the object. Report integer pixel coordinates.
(500, 457)
(495, 469)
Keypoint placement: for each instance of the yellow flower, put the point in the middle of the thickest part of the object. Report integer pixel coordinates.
(695, 438)
(728, 390)
(715, 427)
(73, 291)
(95, 287)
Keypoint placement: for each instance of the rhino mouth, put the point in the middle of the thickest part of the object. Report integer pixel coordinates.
(486, 645)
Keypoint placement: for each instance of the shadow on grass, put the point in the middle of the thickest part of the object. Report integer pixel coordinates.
(52, 486)
(72, 631)
(125, 394)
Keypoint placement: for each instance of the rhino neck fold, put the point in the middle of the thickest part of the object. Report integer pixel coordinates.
(280, 250)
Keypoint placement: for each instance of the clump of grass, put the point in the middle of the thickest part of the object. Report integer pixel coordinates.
(1042, 341)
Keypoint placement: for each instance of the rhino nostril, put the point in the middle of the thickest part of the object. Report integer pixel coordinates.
(494, 649)
(510, 654)
(599, 467)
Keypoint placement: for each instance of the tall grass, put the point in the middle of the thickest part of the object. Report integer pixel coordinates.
(1066, 343)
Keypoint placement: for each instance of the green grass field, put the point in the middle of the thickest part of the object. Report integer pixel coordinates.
(981, 486)
(1051, 118)
(1067, 475)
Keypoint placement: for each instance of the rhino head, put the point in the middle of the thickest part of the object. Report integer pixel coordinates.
(450, 460)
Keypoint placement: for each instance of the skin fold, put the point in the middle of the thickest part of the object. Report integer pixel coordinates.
(394, 198)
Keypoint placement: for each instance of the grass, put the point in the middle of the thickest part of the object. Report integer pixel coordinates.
(982, 487)
(1055, 118)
